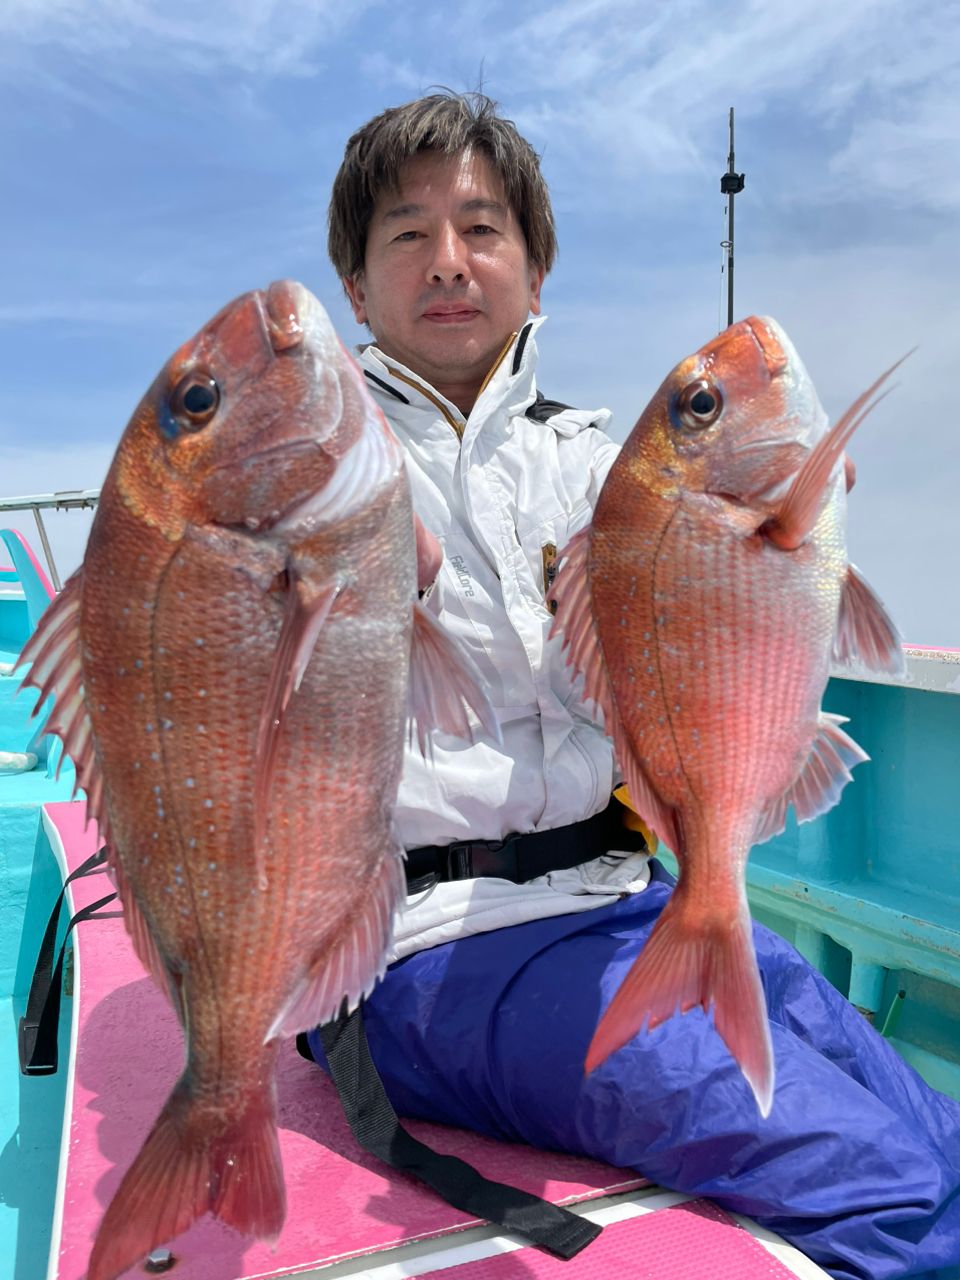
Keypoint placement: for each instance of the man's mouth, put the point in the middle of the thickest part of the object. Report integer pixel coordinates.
(452, 314)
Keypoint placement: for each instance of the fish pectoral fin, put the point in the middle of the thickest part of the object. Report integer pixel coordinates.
(444, 685)
(306, 612)
(819, 783)
(574, 617)
(800, 508)
(54, 655)
(349, 966)
(686, 964)
(865, 631)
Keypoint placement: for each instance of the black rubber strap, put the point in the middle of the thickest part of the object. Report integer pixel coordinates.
(38, 1029)
(375, 1126)
(522, 857)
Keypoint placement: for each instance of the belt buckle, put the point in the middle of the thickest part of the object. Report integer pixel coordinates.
(459, 860)
(468, 858)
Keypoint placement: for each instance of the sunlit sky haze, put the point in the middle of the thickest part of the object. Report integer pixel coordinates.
(162, 157)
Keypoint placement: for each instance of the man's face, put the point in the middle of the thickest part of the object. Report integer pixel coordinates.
(446, 277)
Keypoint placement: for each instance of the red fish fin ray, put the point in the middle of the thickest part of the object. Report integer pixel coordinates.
(177, 1177)
(570, 592)
(142, 939)
(444, 683)
(800, 508)
(429, 555)
(683, 966)
(865, 632)
(303, 621)
(350, 968)
(56, 671)
(819, 784)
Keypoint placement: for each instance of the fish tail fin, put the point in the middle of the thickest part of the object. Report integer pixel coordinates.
(179, 1175)
(684, 964)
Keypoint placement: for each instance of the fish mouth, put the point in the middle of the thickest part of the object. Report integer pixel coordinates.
(281, 306)
(772, 341)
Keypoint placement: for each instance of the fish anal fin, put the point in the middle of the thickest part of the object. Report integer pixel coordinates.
(304, 616)
(141, 937)
(581, 642)
(444, 684)
(178, 1176)
(350, 966)
(865, 632)
(819, 784)
(687, 964)
(54, 655)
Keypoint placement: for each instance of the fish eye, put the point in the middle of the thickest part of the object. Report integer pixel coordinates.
(195, 400)
(699, 405)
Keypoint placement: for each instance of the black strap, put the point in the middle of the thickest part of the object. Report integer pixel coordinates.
(38, 1029)
(375, 1126)
(522, 857)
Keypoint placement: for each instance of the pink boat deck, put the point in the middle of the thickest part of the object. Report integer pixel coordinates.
(341, 1202)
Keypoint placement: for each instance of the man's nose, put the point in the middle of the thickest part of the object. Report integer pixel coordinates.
(450, 261)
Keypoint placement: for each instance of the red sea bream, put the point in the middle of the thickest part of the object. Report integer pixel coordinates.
(232, 668)
(703, 606)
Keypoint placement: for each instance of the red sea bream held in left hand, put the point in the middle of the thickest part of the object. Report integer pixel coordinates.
(703, 606)
(233, 666)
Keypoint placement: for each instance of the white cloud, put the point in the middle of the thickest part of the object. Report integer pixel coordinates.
(261, 37)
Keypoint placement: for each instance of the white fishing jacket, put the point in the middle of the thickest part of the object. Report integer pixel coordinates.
(503, 491)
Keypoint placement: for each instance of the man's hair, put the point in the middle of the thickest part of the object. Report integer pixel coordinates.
(447, 123)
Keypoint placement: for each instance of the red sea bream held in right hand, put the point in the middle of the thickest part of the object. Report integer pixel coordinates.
(703, 606)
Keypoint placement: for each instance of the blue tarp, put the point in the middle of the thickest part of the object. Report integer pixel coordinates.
(858, 1164)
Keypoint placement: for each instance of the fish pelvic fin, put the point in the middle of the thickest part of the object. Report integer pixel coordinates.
(819, 784)
(800, 508)
(181, 1174)
(574, 618)
(303, 620)
(350, 965)
(865, 632)
(444, 686)
(688, 963)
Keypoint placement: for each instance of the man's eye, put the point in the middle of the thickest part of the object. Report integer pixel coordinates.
(481, 229)
(407, 235)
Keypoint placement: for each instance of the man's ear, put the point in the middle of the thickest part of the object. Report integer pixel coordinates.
(536, 282)
(353, 288)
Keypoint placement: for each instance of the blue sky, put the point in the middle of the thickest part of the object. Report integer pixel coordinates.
(158, 162)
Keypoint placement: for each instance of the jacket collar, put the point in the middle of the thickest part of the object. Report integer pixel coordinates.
(511, 381)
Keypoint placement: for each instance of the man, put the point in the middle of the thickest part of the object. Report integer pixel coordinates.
(441, 230)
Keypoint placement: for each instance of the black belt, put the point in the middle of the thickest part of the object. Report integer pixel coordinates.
(522, 857)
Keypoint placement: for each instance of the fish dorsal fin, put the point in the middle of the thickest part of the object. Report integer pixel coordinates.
(55, 671)
(303, 620)
(865, 632)
(800, 507)
(351, 961)
(571, 594)
(54, 654)
(444, 685)
(819, 783)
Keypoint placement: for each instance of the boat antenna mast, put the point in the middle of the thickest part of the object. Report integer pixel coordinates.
(731, 184)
